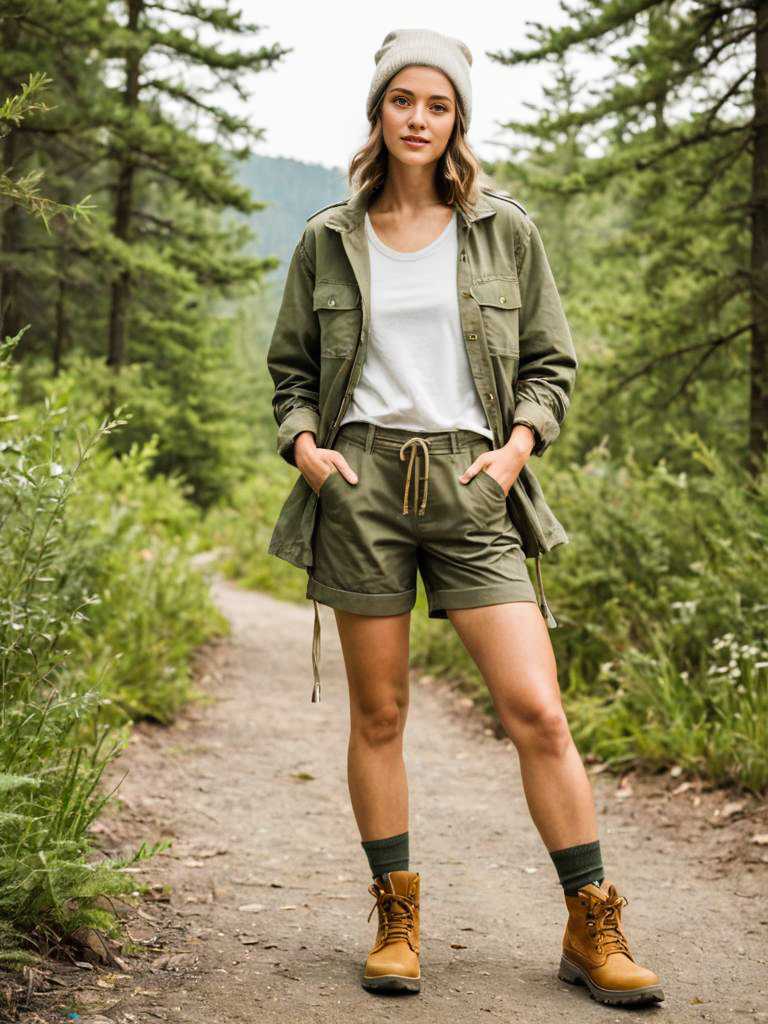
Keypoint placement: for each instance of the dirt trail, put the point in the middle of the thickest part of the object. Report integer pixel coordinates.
(252, 788)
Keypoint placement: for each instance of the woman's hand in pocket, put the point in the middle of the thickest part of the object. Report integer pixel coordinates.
(316, 464)
(504, 464)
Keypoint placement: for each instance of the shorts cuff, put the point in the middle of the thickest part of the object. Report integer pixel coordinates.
(478, 597)
(361, 604)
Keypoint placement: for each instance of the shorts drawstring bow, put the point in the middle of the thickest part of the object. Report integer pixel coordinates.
(416, 444)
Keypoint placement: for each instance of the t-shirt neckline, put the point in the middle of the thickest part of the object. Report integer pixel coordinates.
(417, 254)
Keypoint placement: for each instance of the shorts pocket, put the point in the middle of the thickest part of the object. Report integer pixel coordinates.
(334, 472)
(492, 484)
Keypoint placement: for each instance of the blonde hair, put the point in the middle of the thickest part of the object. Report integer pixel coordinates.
(459, 175)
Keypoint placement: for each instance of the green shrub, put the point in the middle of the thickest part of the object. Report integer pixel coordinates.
(100, 611)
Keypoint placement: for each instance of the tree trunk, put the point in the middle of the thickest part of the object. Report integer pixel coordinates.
(9, 223)
(758, 368)
(121, 287)
(9, 230)
(58, 338)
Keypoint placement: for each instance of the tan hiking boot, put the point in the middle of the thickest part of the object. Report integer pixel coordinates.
(393, 963)
(596, 952)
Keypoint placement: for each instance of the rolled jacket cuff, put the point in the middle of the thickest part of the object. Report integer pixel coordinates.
(296, 422)
(541, 421)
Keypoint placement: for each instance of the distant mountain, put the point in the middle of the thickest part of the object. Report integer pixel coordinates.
(294, 191)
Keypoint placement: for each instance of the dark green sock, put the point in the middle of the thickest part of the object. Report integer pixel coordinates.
(578, 865)
(390, 854)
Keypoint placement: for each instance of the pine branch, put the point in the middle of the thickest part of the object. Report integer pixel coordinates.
(721, 165)
(181, 47)
(224, 120)
(665, 357)
(616, 17)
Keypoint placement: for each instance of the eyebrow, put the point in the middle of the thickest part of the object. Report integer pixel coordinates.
(399, 88)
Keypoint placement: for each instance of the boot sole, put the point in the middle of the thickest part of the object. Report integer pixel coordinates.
(393, 983)
(570, 972)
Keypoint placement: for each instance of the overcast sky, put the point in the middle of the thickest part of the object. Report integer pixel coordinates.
(313, 104)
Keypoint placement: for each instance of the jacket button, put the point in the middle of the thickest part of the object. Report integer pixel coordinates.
(502, 298)
(472, 337)
(491, 397)
(331, 301)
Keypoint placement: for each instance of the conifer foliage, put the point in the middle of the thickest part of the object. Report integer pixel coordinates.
(141, 116)
(679, 118)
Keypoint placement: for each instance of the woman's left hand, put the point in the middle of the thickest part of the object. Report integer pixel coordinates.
(504, 464)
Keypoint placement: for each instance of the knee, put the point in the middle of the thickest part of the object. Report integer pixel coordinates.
(378, 726)
(543, 728)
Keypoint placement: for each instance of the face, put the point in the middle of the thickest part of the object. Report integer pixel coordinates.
(418, 113)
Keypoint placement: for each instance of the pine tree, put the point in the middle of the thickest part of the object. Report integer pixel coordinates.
(689, 91)
(148, 143)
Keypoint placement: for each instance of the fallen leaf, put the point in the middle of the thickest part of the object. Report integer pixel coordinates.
(624, 789)
(458, 945)
(252, 908)
(761, 838)
(682, 788)
(733, 808)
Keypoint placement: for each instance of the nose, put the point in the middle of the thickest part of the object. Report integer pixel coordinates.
(416, 120)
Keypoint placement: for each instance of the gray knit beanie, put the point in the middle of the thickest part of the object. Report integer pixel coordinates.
(421, 46)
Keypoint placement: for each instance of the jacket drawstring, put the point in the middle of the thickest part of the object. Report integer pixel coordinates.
(543, 606)
(316, 656)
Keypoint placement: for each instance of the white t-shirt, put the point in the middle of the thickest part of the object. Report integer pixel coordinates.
(416, 373)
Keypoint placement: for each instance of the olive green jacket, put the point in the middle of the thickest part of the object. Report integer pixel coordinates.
(518, 343)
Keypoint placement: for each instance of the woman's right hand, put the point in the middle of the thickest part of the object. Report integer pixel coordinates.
(316, 464)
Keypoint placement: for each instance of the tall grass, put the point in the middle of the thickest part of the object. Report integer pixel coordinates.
(99, 614)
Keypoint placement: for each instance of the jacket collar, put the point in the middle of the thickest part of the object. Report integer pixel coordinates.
(350, 215)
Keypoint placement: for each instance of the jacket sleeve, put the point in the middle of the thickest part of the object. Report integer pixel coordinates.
(547, 368)
(293, 358)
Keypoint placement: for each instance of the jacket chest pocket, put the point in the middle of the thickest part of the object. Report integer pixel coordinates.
(340, 314)
(499, 302)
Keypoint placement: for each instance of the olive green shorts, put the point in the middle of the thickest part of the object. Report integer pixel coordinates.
(408, 511)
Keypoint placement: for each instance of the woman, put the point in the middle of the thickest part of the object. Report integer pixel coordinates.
(419, 357)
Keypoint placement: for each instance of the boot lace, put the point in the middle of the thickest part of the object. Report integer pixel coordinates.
(604, 922)
(397, 913)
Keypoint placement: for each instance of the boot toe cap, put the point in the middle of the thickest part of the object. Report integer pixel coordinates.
(402, 962)
(619, 972)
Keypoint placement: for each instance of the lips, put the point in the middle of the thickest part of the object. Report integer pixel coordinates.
(415, 140)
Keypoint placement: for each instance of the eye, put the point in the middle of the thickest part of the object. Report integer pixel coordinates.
(442, 107)
(400, 98)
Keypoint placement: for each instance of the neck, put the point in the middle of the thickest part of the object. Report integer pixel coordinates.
(407, 189)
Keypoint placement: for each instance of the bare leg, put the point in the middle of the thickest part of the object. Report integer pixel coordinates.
(375, 650)
(510, 645)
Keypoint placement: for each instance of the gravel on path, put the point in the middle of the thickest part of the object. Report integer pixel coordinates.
(260, 903)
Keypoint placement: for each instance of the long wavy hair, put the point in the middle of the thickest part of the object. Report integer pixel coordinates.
(459, 176)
